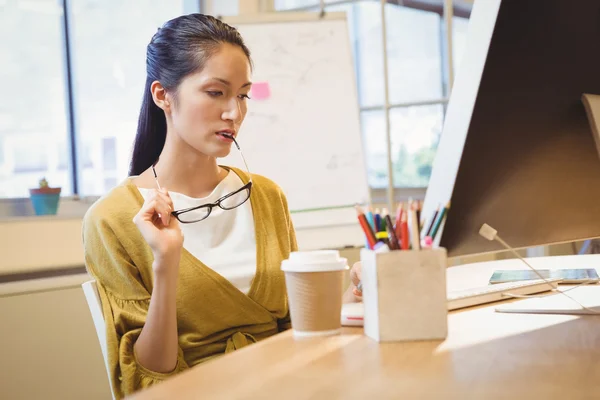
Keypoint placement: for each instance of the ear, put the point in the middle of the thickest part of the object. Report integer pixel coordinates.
(160, 96)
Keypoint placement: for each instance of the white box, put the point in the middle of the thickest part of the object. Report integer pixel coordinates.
(404, 294)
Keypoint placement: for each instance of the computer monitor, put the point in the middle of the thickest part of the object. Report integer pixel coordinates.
(517, 151)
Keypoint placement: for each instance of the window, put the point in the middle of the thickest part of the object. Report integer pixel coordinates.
(459, 40)
(33, 116)
(414, 56)
(364, 24)
(415, 134)
(109, 67)
(373, 129)
(288, 4)
(224, 7)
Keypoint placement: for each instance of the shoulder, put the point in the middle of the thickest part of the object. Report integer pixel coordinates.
(266, 185)
(117, 207)
(267, 191)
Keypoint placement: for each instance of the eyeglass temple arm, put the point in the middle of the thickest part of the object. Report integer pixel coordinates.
(156, 178)
(242, 154)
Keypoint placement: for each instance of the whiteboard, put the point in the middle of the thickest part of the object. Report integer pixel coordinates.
(302, 129)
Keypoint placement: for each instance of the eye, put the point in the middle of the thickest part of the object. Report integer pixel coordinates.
(214, 93)
(244, 97)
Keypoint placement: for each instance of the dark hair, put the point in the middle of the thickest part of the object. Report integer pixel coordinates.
(179, 48)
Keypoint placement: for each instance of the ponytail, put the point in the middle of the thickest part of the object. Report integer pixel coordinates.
(151, 134)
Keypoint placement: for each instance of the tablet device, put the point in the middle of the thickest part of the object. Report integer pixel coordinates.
(578, 275)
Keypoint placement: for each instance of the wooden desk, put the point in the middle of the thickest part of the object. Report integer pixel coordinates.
(487, 355)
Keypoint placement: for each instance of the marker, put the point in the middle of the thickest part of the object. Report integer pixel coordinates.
(382, 237)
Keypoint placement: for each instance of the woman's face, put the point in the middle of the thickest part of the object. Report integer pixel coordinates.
(212, 102)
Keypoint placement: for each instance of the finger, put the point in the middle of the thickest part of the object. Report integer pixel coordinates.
(166, 198)
(354, 274)
(148, 210)
(157, 207)
(152, 193)
(148, 207)
(356, 292)
(164, 212)
(163, 194)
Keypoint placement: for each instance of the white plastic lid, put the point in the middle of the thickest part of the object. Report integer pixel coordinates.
(314, 261)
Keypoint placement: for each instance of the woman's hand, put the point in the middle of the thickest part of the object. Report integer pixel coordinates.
(355, 280)
(354, 294)
(157, 345)
(160, 230)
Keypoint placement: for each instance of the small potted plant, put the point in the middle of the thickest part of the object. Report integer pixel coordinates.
(45, 198)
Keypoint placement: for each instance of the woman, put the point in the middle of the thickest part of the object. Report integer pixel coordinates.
(169, 305)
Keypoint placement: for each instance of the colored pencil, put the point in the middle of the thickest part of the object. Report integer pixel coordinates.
(364, 224)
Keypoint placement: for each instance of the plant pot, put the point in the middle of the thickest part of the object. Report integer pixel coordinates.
(45, 200)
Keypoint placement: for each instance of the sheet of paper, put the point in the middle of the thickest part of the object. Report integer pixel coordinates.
(557, 303)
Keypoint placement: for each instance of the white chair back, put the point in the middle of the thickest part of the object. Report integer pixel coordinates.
(90, 290)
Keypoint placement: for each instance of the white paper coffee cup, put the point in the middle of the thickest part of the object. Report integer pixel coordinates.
(314, 281)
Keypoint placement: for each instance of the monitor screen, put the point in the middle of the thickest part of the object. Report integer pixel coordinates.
(517, 151)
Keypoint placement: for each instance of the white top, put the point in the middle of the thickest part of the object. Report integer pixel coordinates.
(225, 241)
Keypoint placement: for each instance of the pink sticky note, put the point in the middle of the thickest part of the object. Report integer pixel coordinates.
(260, 91)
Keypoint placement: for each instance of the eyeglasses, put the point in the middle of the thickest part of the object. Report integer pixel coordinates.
(227, 202)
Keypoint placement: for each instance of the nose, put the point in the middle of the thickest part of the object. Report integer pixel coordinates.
(233, 111)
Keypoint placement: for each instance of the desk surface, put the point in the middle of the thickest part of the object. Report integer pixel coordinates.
(487, 355)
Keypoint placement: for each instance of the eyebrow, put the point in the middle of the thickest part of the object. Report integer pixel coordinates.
(226, 82)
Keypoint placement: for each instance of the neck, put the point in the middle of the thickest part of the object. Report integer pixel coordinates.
(183, 169)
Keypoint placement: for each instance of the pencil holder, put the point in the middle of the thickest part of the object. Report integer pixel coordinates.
(404, 294)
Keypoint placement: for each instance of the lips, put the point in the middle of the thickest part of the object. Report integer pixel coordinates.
(227, 134)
